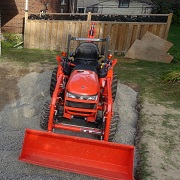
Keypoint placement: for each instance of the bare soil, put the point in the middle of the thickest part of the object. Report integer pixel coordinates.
(160, 134)
(9, 77)
(10, 73)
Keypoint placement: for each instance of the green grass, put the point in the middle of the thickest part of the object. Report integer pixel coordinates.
(148, 76)
(143, 170)
(174, 37)
(26, 56)
(170, 121)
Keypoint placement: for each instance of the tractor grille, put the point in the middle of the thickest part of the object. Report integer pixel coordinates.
(81, 105)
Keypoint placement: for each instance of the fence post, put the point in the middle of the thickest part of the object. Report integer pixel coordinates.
(25, 20)
(89, 16)
(168, 25)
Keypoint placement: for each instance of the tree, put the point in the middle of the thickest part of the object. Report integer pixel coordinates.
(166, 6)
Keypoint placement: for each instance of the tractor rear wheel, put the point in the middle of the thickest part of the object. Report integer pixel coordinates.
(113, 126)
(53, 80)
(114, 86)
(45, 115)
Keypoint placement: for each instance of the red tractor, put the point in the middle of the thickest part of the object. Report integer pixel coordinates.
(83, 88)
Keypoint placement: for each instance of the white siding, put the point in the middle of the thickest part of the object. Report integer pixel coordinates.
(86, 3)
(135, 7)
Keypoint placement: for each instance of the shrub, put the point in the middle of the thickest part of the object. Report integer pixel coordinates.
(172, 77)
(166, 6)
(12, 38)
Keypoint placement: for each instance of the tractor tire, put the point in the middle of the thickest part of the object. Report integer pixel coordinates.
(53, 80)
(113, 126)
(45, 115)
(114, 86)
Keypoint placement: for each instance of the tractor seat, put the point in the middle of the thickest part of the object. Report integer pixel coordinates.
(87, 53)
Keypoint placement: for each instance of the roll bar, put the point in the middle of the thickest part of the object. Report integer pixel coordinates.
(107, 40)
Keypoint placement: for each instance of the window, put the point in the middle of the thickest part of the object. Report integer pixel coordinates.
(63, 2)
(93, 9)
(81, 10)
(124, 3)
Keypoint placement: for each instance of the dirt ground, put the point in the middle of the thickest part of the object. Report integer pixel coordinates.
(159, 132)
(9, 78)
(10, 73)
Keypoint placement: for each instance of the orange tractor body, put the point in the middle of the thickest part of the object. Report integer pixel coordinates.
(81, 89)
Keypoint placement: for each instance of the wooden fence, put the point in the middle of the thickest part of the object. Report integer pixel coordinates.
(52, 34)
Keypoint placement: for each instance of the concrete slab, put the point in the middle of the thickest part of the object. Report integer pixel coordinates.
(144, 51)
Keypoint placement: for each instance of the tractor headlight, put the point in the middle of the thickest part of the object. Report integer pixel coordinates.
(92, 98)
(70, 95)
(82, 97)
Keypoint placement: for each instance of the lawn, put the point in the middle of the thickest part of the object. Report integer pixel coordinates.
(147, 77)
(26, 56)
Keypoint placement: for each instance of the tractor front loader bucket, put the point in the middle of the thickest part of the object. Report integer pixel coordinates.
(100, 159)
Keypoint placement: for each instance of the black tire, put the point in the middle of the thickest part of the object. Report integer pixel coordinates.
(53, 80)
(45, 115)
(114, 86)
(113, 126)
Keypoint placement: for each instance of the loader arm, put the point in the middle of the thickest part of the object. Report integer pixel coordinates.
(108, 113)
(55, 98)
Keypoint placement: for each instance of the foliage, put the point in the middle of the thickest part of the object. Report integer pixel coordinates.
(146, 77)
(172, 77)
(143, 171)
(27, 56)
(166, 6)
(174, 37)
(12, 38)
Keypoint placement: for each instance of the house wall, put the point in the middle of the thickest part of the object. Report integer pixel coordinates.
(135, 7)
(85, 3)
(13, 12)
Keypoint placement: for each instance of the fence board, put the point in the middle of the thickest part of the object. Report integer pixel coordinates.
(134, 34)
(162, 31)
(63, 38)
(53, 34)
(114, 38)
(101, 31)
(121, 39)
(33, 34)
(129, 37)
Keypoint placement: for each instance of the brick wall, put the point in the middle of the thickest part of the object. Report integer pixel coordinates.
(13, 12)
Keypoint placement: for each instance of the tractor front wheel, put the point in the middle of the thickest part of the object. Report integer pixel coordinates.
(113, 126)
(45, 115)
(53, 80)
(114, 86)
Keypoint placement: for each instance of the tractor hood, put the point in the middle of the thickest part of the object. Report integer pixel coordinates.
(83, 82)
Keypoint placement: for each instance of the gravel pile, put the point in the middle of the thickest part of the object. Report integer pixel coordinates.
(25, 113)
